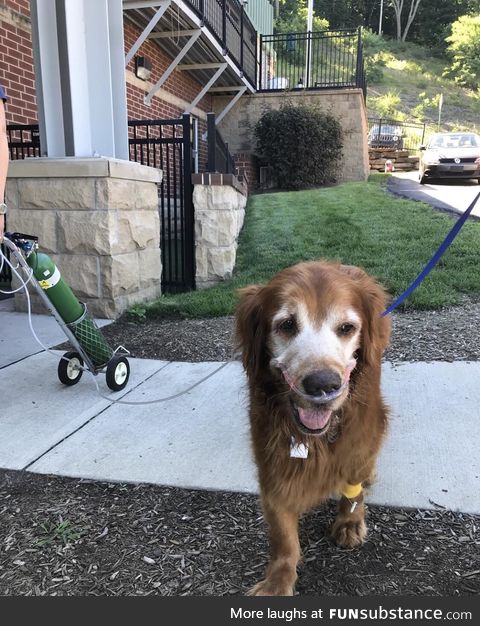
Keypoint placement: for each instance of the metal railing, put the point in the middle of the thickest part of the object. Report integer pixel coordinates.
(219, 158)
(311, 60)
(232, 28)
(167, 145)
(23, 141)
(384, 134)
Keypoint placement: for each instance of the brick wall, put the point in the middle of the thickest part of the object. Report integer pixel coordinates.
(16, 62)
(247, 168)
(19, 6)
(177, 92)
(180, 84)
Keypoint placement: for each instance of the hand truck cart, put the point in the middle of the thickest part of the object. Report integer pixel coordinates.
(91, 351)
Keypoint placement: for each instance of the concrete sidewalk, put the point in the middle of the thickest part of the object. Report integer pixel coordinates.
(201, 439)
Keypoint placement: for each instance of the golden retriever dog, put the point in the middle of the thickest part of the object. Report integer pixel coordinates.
(312, 341)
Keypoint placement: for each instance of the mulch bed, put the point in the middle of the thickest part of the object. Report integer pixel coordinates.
(61, 536)
(446, 335)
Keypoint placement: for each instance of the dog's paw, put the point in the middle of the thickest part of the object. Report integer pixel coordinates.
(349, 533)
(268, 587)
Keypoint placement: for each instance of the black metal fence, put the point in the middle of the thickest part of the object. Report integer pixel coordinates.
(233, 29)
(219, 157)
(384, 133)
(167, 145)
(23, 141)
(311, 60)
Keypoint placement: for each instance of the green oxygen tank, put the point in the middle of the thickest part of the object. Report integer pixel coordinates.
(56, 289)
(72, 312)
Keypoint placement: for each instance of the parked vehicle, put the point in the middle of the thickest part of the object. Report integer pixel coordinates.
(385, 136)
(450, 155)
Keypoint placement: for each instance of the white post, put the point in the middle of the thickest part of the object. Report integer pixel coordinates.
(381, 18)
(308, 60)
(440, 106)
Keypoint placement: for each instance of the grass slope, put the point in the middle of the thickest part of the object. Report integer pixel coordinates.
(355, 223)
(414, 77)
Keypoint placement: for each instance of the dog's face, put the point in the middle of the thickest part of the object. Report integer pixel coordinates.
(310, 328)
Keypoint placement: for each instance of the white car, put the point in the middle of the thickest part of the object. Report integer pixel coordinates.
(450, 155)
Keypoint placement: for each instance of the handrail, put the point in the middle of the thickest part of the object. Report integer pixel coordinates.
(232, 28)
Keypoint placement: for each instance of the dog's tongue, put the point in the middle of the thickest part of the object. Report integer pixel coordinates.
(314, 419)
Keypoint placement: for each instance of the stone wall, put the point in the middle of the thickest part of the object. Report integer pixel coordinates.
(219, 201)
(347, 105)
(98, 220)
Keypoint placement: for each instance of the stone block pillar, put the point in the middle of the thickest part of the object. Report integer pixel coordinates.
(219, 201)
(98, 220)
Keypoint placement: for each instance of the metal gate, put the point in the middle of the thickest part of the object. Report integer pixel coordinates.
(167, 145)
(386, 133)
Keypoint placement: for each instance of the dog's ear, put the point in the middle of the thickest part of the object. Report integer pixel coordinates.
(250, 328)
(376, 328)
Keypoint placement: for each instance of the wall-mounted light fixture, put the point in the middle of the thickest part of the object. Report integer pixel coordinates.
(143, 68)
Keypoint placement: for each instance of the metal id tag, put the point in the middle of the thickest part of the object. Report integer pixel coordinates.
(298, 450)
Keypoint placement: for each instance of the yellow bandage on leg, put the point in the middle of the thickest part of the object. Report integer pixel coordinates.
(351, 491)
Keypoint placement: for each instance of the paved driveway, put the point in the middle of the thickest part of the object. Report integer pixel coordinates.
(450, 195)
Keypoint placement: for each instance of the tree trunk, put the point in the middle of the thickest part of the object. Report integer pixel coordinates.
(411, 16)
(398, 7)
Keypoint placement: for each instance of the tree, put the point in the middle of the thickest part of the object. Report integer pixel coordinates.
(398, 8)
(292, 18)
(464, 48)
(433, 22)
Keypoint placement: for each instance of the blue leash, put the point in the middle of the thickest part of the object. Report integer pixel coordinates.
(435, 258)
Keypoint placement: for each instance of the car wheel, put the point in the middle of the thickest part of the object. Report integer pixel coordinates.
(421, 178)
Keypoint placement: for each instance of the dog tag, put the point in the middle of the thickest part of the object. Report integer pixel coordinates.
(298, 450)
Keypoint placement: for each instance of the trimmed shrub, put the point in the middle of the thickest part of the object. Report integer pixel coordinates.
(301, 144)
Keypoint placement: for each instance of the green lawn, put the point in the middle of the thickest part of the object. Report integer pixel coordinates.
(355, 223)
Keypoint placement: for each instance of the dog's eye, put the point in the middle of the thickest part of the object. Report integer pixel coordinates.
(346, 329)
(288, 326)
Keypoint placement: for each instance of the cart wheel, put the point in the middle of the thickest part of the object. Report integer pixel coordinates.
(118, 373)
(70, 368)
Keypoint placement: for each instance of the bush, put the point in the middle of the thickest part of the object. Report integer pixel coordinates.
(386, 105)
(301, 144)
(372, 43)
(374, 68)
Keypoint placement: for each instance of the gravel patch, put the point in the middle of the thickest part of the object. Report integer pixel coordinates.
(448, 334)
(61, 536)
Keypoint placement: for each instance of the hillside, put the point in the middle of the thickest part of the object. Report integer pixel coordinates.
(405, 82)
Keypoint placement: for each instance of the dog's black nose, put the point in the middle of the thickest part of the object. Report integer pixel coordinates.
(321, 381)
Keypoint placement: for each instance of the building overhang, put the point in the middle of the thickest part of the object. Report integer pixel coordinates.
(216, 57)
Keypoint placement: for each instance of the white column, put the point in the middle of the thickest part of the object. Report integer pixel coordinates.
(84, 39)
(47, 77)
(119, 80)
